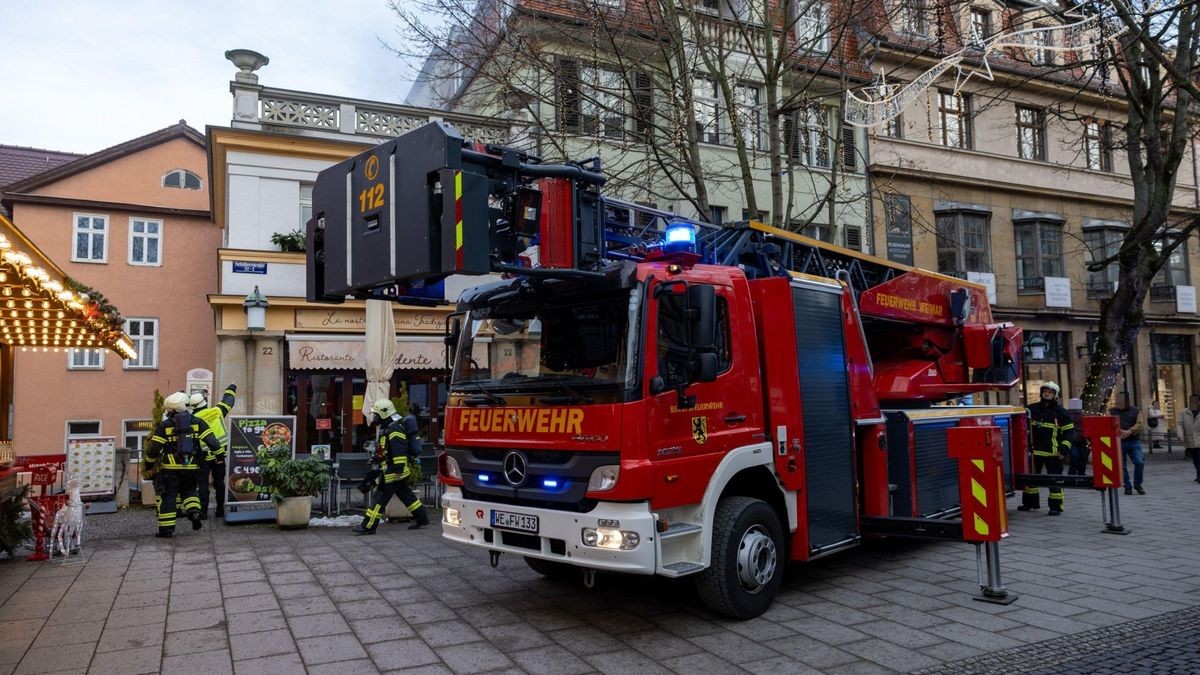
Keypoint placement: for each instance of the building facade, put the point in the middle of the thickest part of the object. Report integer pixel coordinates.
(132, 220)
(1019, 183)
(308, 359)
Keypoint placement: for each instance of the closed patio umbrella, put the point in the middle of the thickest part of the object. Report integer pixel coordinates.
(381, 353)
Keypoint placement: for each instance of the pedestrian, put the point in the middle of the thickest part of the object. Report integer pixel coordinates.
(213, 463)
(170, 457)
(1153, 420)
(1077, 465)
(392, 451)
(1188, 431)
(1051, 433)
(1131, 425)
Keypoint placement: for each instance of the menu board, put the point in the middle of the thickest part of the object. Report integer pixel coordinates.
(92, 460)
(245, 488)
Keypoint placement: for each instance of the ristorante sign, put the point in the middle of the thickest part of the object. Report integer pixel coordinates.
(352, 355)
(407, 320)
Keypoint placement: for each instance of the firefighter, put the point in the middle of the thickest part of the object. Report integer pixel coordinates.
(392, 451)
(1051, 431)
(213, 464)
(170, 458)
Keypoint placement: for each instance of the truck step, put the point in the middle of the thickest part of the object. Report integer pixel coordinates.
(680, 529)
(681, 568)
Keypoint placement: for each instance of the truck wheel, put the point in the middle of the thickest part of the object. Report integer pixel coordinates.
(552, 570)
(746, 568)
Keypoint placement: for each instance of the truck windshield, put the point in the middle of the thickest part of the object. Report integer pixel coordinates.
(545, 341)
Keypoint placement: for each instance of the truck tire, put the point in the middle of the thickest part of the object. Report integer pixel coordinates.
(555, 571)
(746, 568)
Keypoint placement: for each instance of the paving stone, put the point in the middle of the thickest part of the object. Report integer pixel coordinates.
(624, 662)
(330, 648)
(813, 652)
(247, 588)
(62, 634)
(889, 655)
(553, 660)
(290, 591)
(270, 665)
(446, 633)
(251, 603)
(428, 612)
(378, 630)
(200, 618)
(586, 640)
(199, 640)
(824, 630)
(209, 663)
(140, 616)
(77, 613)
(898, 634)
(254, 622)
(304, 606)
(658, 644)
(228, 578)
(131, 637)
(366, 609)
(52, 659)
(699, 663)
(128, 661)
(206, 587)
(265, 643)
(781, 665)
(312, 625)
(514, 636)
(401, 653)
(357, 667)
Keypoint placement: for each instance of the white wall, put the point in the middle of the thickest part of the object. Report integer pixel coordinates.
(264, 197)
(281, 280)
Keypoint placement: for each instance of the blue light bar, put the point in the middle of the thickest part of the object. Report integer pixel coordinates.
(681, 233)
(483, 478)
(550, 484)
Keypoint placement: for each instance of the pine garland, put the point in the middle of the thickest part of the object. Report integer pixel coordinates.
(98, 306)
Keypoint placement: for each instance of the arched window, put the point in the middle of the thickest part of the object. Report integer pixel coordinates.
(181, 178)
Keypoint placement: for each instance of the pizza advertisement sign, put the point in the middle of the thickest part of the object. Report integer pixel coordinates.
(245, 489)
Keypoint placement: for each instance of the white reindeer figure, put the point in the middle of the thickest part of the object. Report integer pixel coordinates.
(68, 522)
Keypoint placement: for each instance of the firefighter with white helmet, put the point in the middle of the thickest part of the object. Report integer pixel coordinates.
(1050, 433)
(392, 451)
(170, 458)
(212, 464)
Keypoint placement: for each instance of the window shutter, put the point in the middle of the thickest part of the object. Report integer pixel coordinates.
(790, 140)
(643, 105)
(567, 83)
(849, 148)
(853, 237)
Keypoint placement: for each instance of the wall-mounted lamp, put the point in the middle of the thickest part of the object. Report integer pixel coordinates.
(256, 310)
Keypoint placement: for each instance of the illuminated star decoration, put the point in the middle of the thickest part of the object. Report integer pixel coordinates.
(880, 103)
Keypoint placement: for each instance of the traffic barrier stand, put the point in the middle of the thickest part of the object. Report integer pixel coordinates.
(1103, 433)
(980, 454)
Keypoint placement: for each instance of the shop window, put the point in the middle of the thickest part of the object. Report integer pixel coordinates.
(1039, 250)
(1047, 359)
(145, 241)
(1172, 355)
(964, 242)
(85, 359)
(91, 240)
(144, 334)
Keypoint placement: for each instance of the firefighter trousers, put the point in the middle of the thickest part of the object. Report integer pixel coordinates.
(215, 471)
(1031, 499)
(399, 488)
(179, 485)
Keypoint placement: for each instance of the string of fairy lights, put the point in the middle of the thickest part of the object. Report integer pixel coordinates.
(38, 313)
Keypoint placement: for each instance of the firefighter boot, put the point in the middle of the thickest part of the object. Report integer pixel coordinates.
(420, 517)
(1031, 500)
(165, 532)
(1055, 501)
(194, 516)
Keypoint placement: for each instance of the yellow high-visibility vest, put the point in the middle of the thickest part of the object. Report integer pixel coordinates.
(216, 421)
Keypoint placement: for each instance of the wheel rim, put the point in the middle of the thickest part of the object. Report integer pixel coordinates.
(756, 559)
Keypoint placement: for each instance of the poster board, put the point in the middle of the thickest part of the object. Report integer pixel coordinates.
(247, 498)
(92, 460)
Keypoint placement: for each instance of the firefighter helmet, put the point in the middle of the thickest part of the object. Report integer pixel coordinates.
(177, 402)
(383, 408)
(197, 401)
(1052, 387)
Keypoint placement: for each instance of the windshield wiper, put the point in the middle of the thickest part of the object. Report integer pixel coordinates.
(486, 398)
(568, 395)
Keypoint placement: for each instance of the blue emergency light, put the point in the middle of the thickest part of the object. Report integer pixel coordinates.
(680, 237)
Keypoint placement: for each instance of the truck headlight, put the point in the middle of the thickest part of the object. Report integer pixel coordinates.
(604, 537)
(604, 478)
(452, 470)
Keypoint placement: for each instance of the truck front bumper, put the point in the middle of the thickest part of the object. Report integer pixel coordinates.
(560, 534)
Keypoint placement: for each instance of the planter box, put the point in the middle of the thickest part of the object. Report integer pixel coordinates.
(396, 509)
(147, 492)
(293, 512)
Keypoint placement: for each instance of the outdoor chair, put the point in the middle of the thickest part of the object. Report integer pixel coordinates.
(351, 468)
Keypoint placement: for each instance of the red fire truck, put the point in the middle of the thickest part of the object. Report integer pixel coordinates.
(645, 395)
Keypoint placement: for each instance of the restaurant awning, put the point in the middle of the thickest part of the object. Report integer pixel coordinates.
(42, 308)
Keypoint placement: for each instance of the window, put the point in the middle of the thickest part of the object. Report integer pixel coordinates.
(1048, 362)
(914, 17)
(1101, 244)
(90, 240)
(717, 215)
(602, 104)
(739, 9)
(954, 110)
(306, 192)
(812, 25)
(964, 242)
(981, 24)
(818, 232)
(749, 114)
(145, 242)
(1039, 54)
(85, 359)
(761, 216)
(673, 329)
(894, 128)
(1175, 271)
(1031, 133)
(181, 178)
(1039, 248)
(144, 334)
(1097, 145)
(707, 109)
(810, 144)
(83, 428)
(136, 433)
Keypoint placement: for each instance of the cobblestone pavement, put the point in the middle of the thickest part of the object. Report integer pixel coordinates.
(257, 600)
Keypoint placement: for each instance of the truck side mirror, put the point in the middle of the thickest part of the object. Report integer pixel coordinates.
(705, 364)
(702, 303)
(453, 331)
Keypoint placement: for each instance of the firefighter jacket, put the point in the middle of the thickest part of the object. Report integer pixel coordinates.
(1051, 429)
(1188, 428)
(214, 416)
(175, 444)
(393, 451)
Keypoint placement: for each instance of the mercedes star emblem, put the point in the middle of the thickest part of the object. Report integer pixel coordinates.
(514, 468)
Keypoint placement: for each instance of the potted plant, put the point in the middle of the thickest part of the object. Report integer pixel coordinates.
(292, 482)
(293, 242)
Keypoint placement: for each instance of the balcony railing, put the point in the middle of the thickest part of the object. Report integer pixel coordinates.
(746, 38)
(1162, 293)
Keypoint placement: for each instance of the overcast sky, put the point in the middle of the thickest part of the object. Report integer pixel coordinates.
(81, 75)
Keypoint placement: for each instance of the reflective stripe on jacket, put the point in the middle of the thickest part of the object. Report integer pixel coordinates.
(394, 450)
(1050, 429)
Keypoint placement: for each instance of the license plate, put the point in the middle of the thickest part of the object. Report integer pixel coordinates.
(514, 521)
